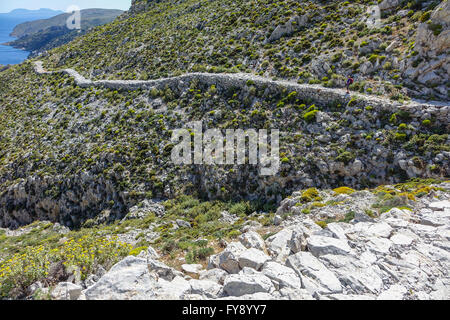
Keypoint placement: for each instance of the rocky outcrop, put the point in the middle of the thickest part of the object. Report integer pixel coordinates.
(400, 255)
(431, 65)
(294, 24)
(387, 5)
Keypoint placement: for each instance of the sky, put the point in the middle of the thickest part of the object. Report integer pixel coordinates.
(7, 6)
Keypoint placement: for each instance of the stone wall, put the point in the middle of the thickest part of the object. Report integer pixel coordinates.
(319, 95)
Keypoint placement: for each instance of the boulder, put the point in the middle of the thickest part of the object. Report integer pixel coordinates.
(281, 275)
(359, 276)
(387, 5)
(439, 205)
(66, 291)
(310, 268)
(228, 259)
(252, 258)
(162, 270)
(294, 24)
(252, 239)
(183, 224)
(336, 231)
(319, 245)
(177, 289)
(278, 245)
(367, 229)
(192, 268)
(207, 288)
(247, 284)
(216, 275)
(129, 279)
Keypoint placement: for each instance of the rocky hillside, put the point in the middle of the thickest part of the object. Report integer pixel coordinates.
(70, 152)
(92, 205)
(402, 55)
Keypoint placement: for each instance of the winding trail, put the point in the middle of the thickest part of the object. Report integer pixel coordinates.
(320, 95)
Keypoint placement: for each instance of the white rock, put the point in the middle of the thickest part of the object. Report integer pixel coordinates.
(306, 265)
(319, 245)
(434, 218)
(207, 288)
(242, 284)
(252, 239)
(252, 258)
(278, 245)
(151, 253)
(395, 292)
(397, 214)
(401, 239)
(66, 291)
(295, 294)
(176, 289)
(216, 275)
(439, 205)
(281, 275)
(183, 223)
(387, 5)
(127, 280)
(228, 259)
(291, 239)
(360, 276)
(379, 245)
(336, 231)
(277, 220)
(162, 270)
(192, 268)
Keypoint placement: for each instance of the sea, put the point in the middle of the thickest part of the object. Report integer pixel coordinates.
(9, 55)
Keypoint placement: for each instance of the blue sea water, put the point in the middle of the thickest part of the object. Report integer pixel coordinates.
(9, 55)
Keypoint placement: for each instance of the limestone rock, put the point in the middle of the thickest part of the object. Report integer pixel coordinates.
(216, 275)
(192, 268)
(129, 279)
(281, 275)
(207, 288)
(252, 258)
(252, 239)
(66, 291)
(240, 284)
(228, 259)
(319, 245)
(294, 24)
(387, 5)
(321, 280)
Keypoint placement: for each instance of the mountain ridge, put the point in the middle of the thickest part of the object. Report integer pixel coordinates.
(98, 16)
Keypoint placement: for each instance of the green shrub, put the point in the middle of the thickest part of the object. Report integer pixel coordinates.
(310, 116)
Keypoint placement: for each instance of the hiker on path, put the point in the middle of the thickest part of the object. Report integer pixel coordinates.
(349, 82)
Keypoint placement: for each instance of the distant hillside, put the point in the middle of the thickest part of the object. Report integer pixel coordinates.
(89, 18)
(41, 35)
(31, 14)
